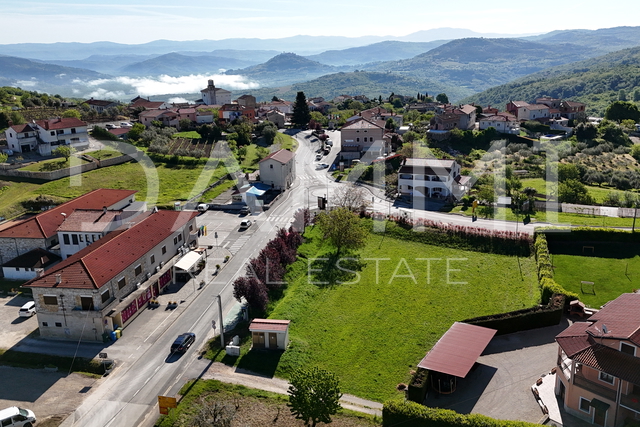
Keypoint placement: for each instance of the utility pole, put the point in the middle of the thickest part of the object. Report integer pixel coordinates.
(221, 324)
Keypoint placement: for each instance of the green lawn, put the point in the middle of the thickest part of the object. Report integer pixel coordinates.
(53, 164)
(191, 134)
(598, 193)
(612, 276)
(104, 154)
(286, 142)
(373, 331)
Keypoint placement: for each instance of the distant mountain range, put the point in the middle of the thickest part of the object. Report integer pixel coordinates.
(595, 81)
(428, 59)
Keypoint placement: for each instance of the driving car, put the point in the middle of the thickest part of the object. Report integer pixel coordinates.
(245, 224)
(323, 165)
(318, 156)
(27, 310)
(183, 342)
(329, 142)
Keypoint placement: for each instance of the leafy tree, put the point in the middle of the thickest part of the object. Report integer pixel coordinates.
(253, 291)
(622, 95)
(184, 124)
(63, 151)
(269, 134)
(352, 197)
(611, 132)
(573, 191)
(620, 110)
(390, 124)
(301, 114)
(636, 95)
(3, 157)
(628, 125)
(136, 131)
(314, 395)
(586, 131)
(442, 98)
(568, 171)
(72, 113)
(343, 229)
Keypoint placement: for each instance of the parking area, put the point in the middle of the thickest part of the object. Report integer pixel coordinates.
(499, 386)
(14, 328)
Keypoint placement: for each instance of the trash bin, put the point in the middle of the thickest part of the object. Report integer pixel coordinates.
(118, 333)
(113, 335)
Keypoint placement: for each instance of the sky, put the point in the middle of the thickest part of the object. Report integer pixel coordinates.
(141, 21)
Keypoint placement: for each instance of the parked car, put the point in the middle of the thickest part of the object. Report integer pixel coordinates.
(183, 342)
(203, 207)
(329, 142)
(110, 126)
(318, 156)
(125, 125)
(28, 310)
(245, 210)
(246, 223)
(17, 417)
(323, 165)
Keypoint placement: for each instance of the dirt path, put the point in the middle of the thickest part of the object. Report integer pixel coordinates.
(228, 374)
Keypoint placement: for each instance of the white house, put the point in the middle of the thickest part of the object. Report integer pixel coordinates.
(212, 95)
(44, 136)
(270, 333)
(29, 265)
(430, 178)
(502, 122)
(278, 169)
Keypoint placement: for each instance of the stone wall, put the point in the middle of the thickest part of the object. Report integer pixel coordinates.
(11, 248)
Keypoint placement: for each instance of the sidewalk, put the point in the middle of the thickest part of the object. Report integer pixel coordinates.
(232, 375)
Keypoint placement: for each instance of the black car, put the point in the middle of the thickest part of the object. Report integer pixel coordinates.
(183, 342)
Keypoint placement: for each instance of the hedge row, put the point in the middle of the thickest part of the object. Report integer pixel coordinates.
(545, 270)
(525, 319)
(588, 234)
(459, 237)
(412, 414)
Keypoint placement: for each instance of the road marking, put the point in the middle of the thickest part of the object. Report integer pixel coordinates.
(161, 323)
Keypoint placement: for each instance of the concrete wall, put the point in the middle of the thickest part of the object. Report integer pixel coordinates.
(9, 170)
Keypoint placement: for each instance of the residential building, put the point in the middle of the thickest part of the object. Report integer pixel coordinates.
(431, 178)
(570, 109)
(341, 98)
(248, 101)
(44, 136)
(99, 105)
(502, 122)
(166, 117)
(105, 285)
(188, 113)
(552, 103)
(29, 265)
(41, 231)
(490, 111)
(445, 121)
(466, 116)
(285, 107)
(365, 135)
(539, 112)
(278, 169)
(276, 117)
(520, 109)
(212, 95)
(230, 112)
(139, 102)
(598, 368)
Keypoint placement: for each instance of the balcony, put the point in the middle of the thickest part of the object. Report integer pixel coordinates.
(631, 401)
(600, 390)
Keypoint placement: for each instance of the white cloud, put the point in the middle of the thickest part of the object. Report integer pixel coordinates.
(177, 100)
(106, 94)
(27, 83)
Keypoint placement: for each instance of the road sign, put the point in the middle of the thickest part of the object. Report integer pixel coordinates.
(213, 324)
(166, 402)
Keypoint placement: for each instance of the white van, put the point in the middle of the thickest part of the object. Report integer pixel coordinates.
(27, 310)
(17, 417)
(203, 207)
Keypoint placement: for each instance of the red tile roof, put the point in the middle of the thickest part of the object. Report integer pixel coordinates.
(22, 128)
(97, 264)
(89, 220)
(269, 325)
(60, 123)
(45, 224)
(458, 349)
(282, 156)
(611, 361)
(574, 339)
(99, 102)
(621, 317)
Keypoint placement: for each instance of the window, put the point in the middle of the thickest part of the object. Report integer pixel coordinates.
(74, 239)
(179, 237)
(603, 376)
(105, 296)
(50, 299)
(81, 238)
(153, 259)
(45, 323)
(122, 283)
(138, 270)
(87, 237)
(58, 324)
(584, 405)
(190, 227)
(164, 250)
(270, 166)
(626, 348)
(175, 240)
(65, 239)
(87, 303)
(94, 238)
(73, 130)
(17, 268)
(53, 133)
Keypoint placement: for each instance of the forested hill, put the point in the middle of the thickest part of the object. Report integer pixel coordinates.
(596, 82)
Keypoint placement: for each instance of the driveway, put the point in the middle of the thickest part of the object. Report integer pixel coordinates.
(500, 384)
(14, 328)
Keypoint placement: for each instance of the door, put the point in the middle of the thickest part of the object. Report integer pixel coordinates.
(273, 340)
(599, 417)
(258, 339)
(562, 391)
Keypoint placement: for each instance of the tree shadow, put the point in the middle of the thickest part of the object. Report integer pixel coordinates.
(335, 269)
(618, 250)
(260, 361)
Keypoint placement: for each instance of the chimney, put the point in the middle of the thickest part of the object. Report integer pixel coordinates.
(58, 279)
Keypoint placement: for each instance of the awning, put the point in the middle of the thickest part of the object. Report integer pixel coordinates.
(458, 349)
(599, 404)
(187, 262)
(255, 191)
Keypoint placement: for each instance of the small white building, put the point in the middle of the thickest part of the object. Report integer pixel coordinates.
(44, 136)
(29, 265)
(270, 333)
(212, 95)
(278, 169)
(502, 122)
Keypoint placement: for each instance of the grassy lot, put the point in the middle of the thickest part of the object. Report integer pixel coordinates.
(286, 142)
(612, 276)
(374, 329)
(255, 407)
(53, 164)
(80, 365)
(104, 154)
(562, 218)
(191, 134)
(175, 184)
(251, 159)
(598, 193)
(208, 196)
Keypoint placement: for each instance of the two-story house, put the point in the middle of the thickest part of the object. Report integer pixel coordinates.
(278, 169)
(598, 373)
(430, 178)
(502, 122)
(570, 109)
(365, 137)
(44, 136)
(99, 105)
(106, 284)
(167, 117)
(41, 231)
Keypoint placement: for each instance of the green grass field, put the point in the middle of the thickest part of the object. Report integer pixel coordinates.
(611, 276)
(598, 193)
(53, 164)
(190, 134)
(373, 330)
(105, 153)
